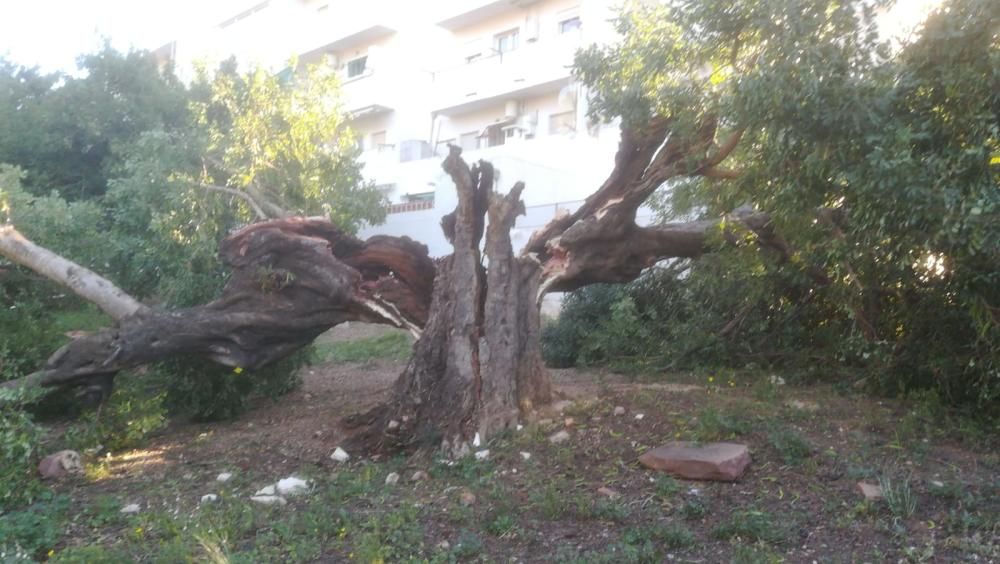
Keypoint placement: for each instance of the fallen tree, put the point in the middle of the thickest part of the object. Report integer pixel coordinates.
(476, 366)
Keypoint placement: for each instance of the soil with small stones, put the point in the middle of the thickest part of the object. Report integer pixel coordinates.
(809, 504)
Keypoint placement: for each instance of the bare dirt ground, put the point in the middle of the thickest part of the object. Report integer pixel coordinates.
(798, 502)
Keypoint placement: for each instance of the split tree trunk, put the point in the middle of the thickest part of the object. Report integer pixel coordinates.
(478, 363)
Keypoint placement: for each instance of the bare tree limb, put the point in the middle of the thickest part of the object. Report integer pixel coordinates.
(82, 281)
(257, 210)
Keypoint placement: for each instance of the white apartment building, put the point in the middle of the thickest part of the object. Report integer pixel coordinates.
(492, 76)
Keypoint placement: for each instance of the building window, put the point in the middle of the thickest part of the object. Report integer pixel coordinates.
(469, 141)
(562, 123)
(356, 67)
(495, 135)
(570, 24)
(506, 41)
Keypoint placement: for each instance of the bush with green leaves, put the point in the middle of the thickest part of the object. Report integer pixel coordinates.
(19, 450)
(878, 168)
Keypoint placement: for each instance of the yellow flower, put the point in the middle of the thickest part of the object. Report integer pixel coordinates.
(238, 370)
(711, 379)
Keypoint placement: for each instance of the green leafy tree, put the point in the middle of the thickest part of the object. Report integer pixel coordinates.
(878, 166)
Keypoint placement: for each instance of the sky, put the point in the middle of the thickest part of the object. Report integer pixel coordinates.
(52, 33)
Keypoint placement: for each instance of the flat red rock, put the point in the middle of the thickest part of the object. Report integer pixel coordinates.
(723, 462)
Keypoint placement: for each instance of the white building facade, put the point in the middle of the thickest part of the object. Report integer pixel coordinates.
(491, 76)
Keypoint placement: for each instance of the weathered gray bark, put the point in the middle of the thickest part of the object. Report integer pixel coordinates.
(478, 363)
(82, 281)
(291, 280)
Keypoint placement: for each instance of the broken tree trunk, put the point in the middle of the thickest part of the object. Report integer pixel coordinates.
(478, 363)
(291, 280)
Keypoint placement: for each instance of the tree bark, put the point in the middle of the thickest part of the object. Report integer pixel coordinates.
(291, 280)
(82, 281)
(478, 364)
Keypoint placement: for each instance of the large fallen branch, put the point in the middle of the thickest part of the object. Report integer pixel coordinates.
(291, 280)
(82, 281)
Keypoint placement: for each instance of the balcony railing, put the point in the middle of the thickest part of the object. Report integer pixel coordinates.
(405, 207)
(530, 67)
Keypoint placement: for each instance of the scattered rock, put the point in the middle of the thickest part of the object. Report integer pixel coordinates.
(777, 380)
(525, 455)
(482, 454)
(870, 491)
(559, 437)
(608, 492)
(467, 498)
(130, 509)
(639, 416)
(266, 491)
(419, 476)
(561, 405)
(292, 486)
(569, 422)
(59, 464)
(596, 419)
(937, 483)
(444, 545)
(209, 498)
(803, 405)
(224, 477)
(317, 434)
(619, 410)
(269, 500)
(393, 425)
(714, 461)
(340, 455)
(392, 479)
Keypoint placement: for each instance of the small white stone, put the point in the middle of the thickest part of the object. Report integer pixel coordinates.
(444, 545)
(937, 483)
(525, 455)
(292, 486)
(393, 425)
(340, 455)
(619, 410)
(639, 416)
(520, 427)
(475, 440)
(419, 476)
(392, 479)
(269, 500)
(224, 477)
(131, 508)
(266, 490)
(559, 437)
(209, 498)
(482, 454)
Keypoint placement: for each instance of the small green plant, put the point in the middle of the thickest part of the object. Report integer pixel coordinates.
(792, 446)
(674, 535)
(750, 525)
(502, 525)
(19, 443)
(549, 501)
(667, 487)
(899, 496)
(694, 508)
(391, 537)
(712, 425)
(34, 529)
